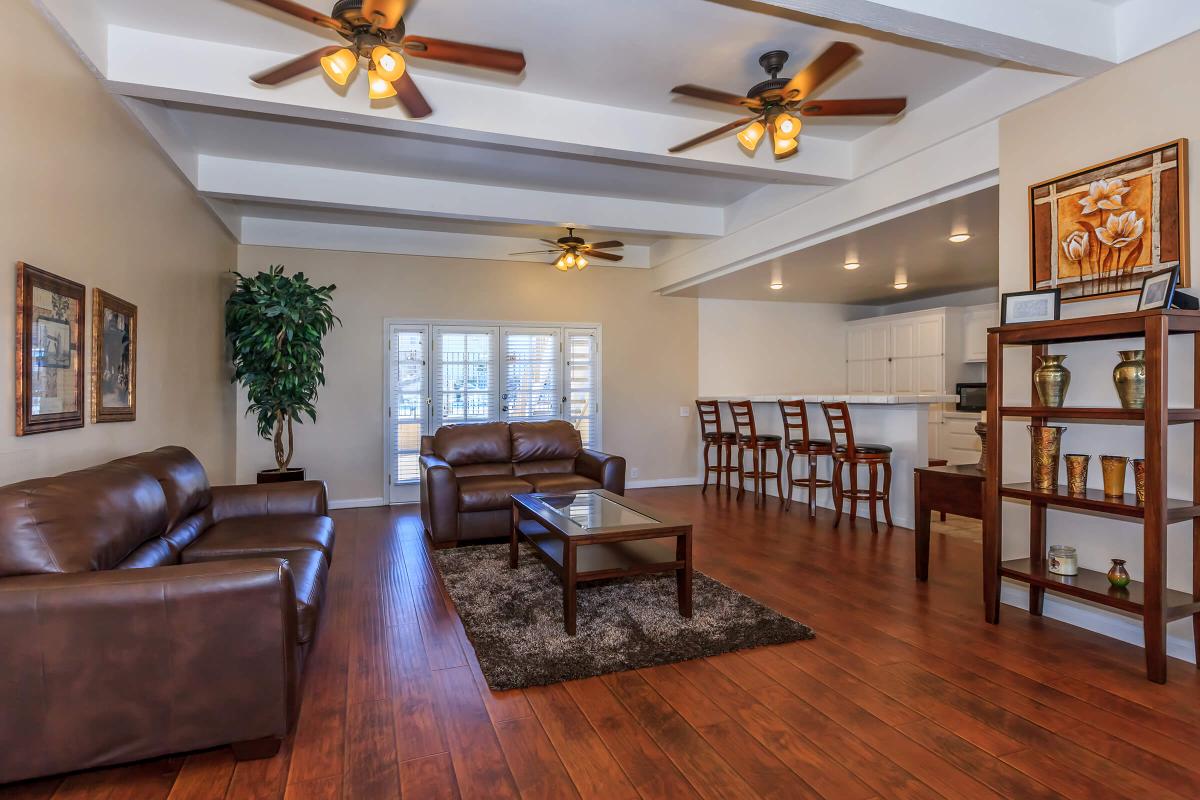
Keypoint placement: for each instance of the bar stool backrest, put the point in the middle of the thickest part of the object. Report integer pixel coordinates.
(841, 431)
(742, 412)
(709, 412)
(795, 418)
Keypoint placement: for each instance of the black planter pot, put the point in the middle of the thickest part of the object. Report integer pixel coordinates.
(275, 476)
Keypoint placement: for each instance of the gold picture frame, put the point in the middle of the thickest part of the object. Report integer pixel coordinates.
(49, 352)
(114, 358)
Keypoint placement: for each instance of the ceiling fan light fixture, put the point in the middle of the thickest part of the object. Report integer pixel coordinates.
(581, 262)
(751, 135)
(561, 264)
(784, 147)
(380, 87)
(340, 66)
(569, 259)
(388, 63)
(787, 126)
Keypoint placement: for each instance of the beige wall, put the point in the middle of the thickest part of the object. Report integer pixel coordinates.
(649, 345)
(752, 347)
(1140, 104)
(87, 195)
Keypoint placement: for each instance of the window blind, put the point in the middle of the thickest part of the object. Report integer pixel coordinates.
(531, 361)
(408, 400)
(464, 375)
(581, 359)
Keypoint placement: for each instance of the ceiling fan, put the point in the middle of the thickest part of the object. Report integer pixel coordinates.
(374, 30)
(776, 104)
(574, 252)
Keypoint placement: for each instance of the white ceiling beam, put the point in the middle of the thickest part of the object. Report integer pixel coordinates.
(401, 241)
(164, 67)
(1073, 37)
(234, 178)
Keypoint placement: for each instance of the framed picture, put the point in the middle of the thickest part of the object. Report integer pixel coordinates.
(49, 359)
(1037, 306)
(1098, 231)
(114, 358)
(1158, 289)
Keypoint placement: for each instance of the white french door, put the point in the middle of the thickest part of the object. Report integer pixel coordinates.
(446, 373)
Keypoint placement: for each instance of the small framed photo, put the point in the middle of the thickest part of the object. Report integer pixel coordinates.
(1039, 306)
(1158, 289)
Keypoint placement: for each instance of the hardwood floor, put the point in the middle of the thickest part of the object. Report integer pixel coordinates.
(905, 692)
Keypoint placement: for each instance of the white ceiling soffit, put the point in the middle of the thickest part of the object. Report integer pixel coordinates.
(581, 137)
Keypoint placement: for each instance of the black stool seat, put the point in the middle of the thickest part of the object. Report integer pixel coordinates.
(869, 449)
(762, 437)
(813, 444)
(724, 436)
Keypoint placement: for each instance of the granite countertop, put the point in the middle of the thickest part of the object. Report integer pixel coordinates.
(853, 399)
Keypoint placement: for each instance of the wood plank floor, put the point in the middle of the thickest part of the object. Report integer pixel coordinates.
(905, 692)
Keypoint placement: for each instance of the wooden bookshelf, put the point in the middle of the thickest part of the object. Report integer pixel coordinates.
(1149, 598)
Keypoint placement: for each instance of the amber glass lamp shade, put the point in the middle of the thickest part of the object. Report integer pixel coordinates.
(340, 66)
(561, 264)
(388, 64)
(581, 262)
(784, 147)
(751, 135)
(787, 126)
(380, 87)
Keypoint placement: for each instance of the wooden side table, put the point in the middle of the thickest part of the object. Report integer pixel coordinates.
(951, 490)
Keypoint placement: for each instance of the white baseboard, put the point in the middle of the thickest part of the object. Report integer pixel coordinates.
(357, 502)
(694, 480)
(1105, 623)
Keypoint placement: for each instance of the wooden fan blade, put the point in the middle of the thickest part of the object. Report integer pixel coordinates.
(307, 14)
(715, 95)
(878, 106)
(470, 55)
(292, 68)
(836, 56)
(411, 98)
(713, 134)
(604, 245)
(604, 256)
(552, 244)
(385, 13)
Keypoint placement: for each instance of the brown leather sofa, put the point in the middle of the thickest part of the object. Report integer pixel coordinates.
(469, 474)
(143, 612)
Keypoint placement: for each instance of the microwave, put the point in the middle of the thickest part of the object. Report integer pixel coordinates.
(971, 397)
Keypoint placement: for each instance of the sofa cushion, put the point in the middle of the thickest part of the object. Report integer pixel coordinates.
(157, 552)
(561, 482)
(275, 535)
(309, 572)
(551, 465)
(477, 443)
(540, 441)
(80, 521)
(489, 492)
(182, 477)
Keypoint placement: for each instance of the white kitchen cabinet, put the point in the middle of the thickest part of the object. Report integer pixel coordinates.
(976, 321)
(961, 444)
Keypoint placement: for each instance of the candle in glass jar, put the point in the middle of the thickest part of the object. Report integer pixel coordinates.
(1064, 560)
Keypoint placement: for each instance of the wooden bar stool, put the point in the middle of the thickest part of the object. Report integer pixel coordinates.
(709, 412)
(759, 444)
(847, 451)
(799, 443)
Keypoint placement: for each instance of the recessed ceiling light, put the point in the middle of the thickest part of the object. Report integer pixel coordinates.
(900, 284)
(960, 237)
(851, 265)
(776, 285)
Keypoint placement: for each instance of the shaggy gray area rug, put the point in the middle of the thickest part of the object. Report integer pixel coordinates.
(514, 619)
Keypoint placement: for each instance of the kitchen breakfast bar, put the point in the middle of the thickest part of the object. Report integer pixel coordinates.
(900, 421)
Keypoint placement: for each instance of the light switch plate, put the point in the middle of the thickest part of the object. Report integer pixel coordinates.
(684, 411)
(633, 472)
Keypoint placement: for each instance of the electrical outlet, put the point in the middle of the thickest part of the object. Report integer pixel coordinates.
(633, 472)
(684, 411)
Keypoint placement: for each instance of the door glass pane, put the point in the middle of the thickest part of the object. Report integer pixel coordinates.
(407, 402)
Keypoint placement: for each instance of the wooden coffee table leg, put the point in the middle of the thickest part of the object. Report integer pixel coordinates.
(569, 588)
(513, 536)
(683, 577)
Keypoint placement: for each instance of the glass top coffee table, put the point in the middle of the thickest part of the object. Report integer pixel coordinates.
(594, 534)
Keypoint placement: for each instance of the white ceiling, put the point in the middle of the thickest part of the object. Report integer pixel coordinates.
(581, 137)
(914, 247)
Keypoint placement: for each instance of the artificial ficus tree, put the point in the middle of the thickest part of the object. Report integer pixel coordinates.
(275, 325)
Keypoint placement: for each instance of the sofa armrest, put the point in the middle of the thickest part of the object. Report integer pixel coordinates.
(606, 470)
(106, 667)
(251, 500)
(439, 499)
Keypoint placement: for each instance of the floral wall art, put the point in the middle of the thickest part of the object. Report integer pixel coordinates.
(1097, 232)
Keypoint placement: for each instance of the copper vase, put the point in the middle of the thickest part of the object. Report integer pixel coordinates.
(1047, 439)
(1139, 479)
(1114, 474)
(1077, 473)
(1052, 380)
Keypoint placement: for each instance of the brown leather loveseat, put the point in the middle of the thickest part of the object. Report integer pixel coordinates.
(469, 474)
(143, 612)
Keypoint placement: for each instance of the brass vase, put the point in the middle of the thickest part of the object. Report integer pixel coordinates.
(1077, 473)
(1139, 479)
(1118, 576)
(1047, 439)
(1052, 380)
(1129, 376)
(1114, 468)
